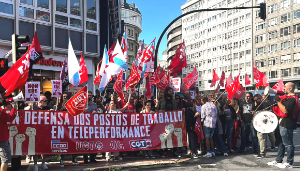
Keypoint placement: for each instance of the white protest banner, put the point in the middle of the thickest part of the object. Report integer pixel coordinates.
(32, 92)
(56, 88)
(175, 84)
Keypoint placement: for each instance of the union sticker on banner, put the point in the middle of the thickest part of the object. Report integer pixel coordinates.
(56, 88)
(32, 92)
(175, 84)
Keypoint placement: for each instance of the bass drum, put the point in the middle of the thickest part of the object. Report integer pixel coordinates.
(265, 121)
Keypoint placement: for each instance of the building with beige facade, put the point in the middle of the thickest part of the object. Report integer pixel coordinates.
(174, 37)
(133, 23)
(220, 40)
(276, 49)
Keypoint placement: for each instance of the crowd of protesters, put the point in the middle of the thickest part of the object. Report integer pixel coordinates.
(223, 122)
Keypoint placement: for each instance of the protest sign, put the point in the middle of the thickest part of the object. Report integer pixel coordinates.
(56, 88)
(55, 132)
(32, 92)
(175, 84)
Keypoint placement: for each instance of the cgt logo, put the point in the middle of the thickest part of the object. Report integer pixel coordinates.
(146, 143)
(57, 145)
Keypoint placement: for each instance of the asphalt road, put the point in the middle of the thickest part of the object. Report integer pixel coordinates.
(236, 161)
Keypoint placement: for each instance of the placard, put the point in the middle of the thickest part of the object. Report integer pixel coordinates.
(175, 84)
(32, 92)
(56, 88)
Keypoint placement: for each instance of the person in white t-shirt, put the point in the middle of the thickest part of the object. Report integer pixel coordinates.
(113, 109)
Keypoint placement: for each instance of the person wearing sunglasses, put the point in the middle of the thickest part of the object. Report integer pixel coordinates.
(42, 105)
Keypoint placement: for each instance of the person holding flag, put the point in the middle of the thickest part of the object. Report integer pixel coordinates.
(5, 153)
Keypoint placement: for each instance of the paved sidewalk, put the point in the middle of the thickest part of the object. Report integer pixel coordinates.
(102, 164)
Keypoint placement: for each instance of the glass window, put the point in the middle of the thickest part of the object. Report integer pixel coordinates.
(91, 9)
(75, 7)
(285, 31)
(91, 26)
(61, 38)
(284, 4)
(286, 72)
(297, 14)
(273, 48)
(296, 28)
(296, 71)
(26, 28)
(296, 42)
(273, 22)
(43, 3)
(285, 17)
(45, 33)
(75, 22)
(8, 30)
(91, 43)
(272, 8)
(61, 6)
(6, 8)
(29, 2)
(61, 19)
(273, 35)
(76, 38)
(43, 16)
(26, 12)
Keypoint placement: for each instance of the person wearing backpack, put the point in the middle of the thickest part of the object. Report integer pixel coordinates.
(288, 110)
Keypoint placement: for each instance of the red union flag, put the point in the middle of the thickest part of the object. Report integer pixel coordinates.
(247, 79)
(97, 78)
(222, 79)
(76, 104)
(83, 71)
(228, 81)
(133, 79)
(164, 81)
(179, 61)
(279, 87)
(118, 85)
(190, 80)
(233, 87)
(239, 94)
(16, 76)
(215, 79)
(154, 79)
(148, 88)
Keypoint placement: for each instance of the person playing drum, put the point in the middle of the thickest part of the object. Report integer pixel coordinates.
(262, 137)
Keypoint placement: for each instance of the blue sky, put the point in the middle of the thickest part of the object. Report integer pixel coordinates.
(157, 14)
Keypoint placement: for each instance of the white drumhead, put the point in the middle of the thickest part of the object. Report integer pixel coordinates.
(265, 121)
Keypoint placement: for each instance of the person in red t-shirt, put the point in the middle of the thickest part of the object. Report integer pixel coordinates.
(5, 153)
(129, 107)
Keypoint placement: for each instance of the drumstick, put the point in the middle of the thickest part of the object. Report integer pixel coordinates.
(270, 106)
(261, 103)
(220, 96)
